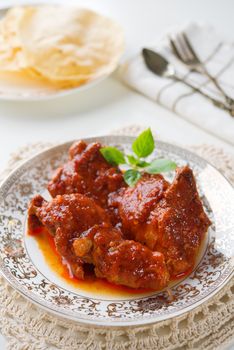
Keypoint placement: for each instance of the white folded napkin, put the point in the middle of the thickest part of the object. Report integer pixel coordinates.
(219, 59)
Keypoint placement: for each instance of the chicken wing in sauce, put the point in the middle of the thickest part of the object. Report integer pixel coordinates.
(66, 217)
(167, 218)
(83, 234)
(121, 261)
(135, 204)
(87, 172)
(182, 222)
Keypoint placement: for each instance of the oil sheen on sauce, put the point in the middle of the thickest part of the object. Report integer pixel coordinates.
(91, 284)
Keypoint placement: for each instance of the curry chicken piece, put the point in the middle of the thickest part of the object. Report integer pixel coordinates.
(121, 261)
(167, 218)
(87, 172)
(66, 217)
(182, 222)
(134, 205)
(83, 234)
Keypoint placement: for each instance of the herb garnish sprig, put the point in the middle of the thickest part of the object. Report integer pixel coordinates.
(142, 147)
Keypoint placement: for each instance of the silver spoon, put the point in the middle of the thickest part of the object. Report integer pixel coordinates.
(160, 66)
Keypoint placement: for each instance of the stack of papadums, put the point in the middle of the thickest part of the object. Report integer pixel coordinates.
(66, 46)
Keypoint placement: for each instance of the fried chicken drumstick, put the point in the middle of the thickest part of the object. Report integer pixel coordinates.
(83, 234)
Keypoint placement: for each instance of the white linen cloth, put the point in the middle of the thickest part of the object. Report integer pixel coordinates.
(216, 54)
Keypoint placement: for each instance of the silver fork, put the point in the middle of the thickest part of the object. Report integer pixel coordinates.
(184, 51)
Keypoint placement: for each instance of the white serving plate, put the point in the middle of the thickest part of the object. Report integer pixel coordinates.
(24, 267)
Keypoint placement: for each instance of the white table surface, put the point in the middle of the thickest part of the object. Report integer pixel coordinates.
(110, 105)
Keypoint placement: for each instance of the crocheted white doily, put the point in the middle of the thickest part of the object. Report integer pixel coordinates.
(209, 326)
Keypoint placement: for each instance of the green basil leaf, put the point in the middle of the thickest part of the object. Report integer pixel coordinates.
(131, 177)
(142, 164)
(143, 146)
(134, 161)
(112, 155)
(160, 166)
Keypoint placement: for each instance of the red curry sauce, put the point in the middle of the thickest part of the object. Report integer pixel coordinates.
(91, 283)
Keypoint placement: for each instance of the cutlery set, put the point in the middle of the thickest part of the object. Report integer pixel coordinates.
(184, 51)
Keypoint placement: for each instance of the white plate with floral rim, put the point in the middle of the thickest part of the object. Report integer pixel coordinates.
(24, 266)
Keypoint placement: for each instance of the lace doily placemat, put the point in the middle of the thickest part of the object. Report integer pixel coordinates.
(209, 326)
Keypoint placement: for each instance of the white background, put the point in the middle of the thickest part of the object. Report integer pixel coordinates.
(110, 105)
